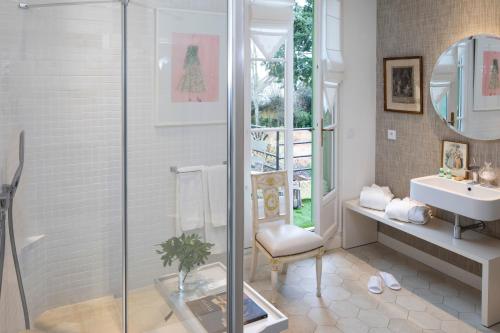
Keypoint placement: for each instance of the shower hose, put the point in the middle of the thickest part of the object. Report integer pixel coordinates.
(7, 203)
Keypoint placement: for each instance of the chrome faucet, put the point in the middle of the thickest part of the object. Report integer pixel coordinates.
(473, 171)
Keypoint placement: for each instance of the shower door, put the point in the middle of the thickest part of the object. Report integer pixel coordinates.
(177, 165)
(60, 80)
(124, 107)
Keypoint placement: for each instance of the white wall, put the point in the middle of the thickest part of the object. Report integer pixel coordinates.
(358, 97)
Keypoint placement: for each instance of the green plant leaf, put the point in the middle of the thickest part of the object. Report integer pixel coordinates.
(189, 251)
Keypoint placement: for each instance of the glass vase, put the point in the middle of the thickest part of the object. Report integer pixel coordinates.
(187, 281)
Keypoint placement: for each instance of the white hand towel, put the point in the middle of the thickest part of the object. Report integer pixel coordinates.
(217, 194)
(375, 197)
(390, 281)
(375, 285)
(190, 199)
(407, 210)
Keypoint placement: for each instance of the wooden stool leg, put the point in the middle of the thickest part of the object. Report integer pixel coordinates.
(319, 269)
(274, 279)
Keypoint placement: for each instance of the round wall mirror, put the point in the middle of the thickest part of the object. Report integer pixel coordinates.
(465, 87)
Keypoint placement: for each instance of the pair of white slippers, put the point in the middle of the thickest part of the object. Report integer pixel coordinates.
(375, 282)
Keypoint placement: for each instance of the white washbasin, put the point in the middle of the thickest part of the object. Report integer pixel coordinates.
(473, 201)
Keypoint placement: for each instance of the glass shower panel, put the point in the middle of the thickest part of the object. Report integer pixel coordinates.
(177, 164)
(60, 83)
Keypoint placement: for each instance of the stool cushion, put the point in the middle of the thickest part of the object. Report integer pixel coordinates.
(286, 240)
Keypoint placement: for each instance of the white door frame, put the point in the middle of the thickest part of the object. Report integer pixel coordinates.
(326, 213)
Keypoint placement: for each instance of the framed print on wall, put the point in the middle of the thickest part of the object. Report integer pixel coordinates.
(190, 68)
(403, 85)
(487, 74)
(455, 156)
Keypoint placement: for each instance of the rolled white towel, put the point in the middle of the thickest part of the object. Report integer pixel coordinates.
(375, 197)
(407, 210)
(419, 214)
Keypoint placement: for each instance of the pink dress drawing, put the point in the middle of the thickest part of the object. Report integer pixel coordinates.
(195, 68)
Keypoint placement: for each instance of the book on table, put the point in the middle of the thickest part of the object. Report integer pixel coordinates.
(211, 311)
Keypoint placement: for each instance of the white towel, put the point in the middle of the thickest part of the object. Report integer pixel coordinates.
(375, 197)
(217, 194)
(407, 210)
(419, 214)
(190, 199)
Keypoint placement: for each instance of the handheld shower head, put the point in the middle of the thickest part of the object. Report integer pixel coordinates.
(17, 175)
(6, 203)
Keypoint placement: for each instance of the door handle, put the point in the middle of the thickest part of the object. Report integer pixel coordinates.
(323, 129)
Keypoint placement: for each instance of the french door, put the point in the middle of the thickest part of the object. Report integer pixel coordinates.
(326, 88)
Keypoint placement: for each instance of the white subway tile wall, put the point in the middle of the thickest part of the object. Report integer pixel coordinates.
(153, 150)
(60, 81)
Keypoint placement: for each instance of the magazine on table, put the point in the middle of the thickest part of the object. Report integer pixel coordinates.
(211, 311)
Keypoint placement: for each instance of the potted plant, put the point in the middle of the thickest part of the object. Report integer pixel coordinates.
(188, 250)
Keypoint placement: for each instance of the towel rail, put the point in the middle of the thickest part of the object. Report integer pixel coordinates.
(175, 169)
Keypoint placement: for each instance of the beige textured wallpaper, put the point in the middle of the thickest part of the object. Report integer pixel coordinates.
(425, 28)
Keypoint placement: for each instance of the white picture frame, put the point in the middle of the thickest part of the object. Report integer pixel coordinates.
(174, 114)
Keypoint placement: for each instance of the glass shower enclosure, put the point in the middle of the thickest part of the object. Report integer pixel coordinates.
(122, 216)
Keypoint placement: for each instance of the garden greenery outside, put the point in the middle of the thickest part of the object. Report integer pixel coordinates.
(268, 91)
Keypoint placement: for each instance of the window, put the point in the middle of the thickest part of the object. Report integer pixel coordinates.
(270, 26)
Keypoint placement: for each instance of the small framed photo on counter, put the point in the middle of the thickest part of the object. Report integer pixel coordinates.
(455, 156)
(403, 85)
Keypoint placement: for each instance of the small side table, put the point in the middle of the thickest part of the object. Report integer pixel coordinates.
(212, 280)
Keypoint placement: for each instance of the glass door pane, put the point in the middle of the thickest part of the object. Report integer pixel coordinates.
(61, 84)
(328, 137)
(177, 164)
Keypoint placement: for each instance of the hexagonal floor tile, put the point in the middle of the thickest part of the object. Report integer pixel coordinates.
(412, 303)
(300, 324)
(314, 301)
(344, 309)
(364, 301)
(443, 288)
(393, 311)
(424, 320)
(379, 330)
(352, 325)
(373, 318)
(413, 282)
(327, 329)
(429, 296)
(323, 316)
(458, 304)
(336, 293)
(456, 326)
(403, 326)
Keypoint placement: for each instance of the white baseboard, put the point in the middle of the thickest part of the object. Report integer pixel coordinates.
(431, 261)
